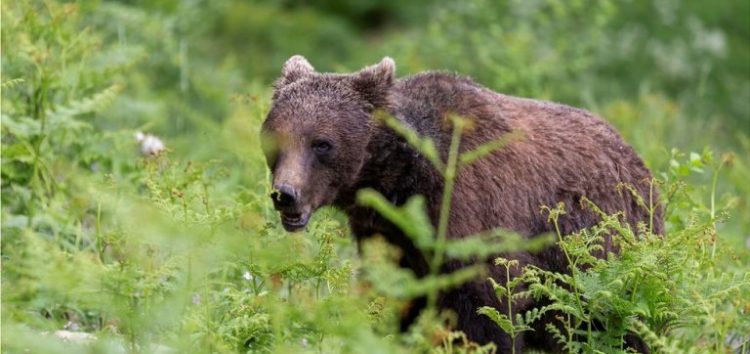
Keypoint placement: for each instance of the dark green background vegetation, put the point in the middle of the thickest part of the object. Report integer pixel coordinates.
(184, 251)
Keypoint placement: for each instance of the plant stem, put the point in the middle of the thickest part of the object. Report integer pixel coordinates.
(714, 182)
(651, 207)
(572, 267)
(510, 309)
(450, 178)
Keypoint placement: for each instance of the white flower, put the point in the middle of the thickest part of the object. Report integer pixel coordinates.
(72, 326)
(74, 337)
(150, 144)
(247, 276)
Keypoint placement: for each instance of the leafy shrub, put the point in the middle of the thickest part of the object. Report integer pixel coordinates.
(183, 252)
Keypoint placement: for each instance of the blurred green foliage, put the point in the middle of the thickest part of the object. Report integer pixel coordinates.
(184, 251)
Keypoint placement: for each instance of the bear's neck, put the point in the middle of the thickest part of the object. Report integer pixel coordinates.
(395, 170)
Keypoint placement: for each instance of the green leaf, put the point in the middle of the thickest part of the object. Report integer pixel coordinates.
(500, 290)
(424, 145)
(490, 147)
(93, 103)
(411, 218)
(494, 242)
(500, 319)
(12, 83)
(23, 127)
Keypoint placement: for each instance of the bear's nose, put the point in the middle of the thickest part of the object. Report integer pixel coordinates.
(284, 196)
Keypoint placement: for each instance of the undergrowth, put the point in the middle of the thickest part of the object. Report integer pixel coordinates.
(182, 252)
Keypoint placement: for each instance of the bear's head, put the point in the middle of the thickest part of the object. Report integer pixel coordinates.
(316, 134)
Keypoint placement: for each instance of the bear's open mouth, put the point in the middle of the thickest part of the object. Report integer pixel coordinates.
(294, 221)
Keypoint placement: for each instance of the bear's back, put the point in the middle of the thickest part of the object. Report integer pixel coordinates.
(562, 154)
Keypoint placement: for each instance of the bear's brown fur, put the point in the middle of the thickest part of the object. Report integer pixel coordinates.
(328, 146)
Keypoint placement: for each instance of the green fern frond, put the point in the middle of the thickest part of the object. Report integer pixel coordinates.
(9, 84)
(500, 319)
(93, 103)
(657, 343)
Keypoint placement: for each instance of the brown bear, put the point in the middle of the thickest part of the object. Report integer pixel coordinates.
(328, 145)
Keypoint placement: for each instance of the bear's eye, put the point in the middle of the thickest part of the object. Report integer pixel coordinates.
(321, 146)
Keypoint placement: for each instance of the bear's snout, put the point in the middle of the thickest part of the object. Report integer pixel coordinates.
(294, 215)
(284, 197)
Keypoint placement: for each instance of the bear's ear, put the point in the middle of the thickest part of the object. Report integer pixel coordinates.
(294, 69)
(373, 82)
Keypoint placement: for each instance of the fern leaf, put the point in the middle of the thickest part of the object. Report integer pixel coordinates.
(89, 104)
(500, 319)
(9, 84)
